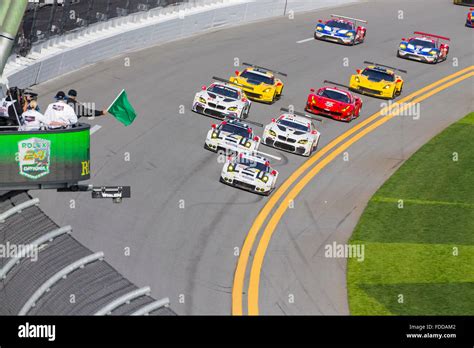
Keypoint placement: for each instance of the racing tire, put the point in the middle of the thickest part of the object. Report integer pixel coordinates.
(309, 154)
(447, 53)
(280, 94)
(400, 91)
(275, 97)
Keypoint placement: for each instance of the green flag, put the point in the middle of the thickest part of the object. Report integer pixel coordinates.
(122, 110)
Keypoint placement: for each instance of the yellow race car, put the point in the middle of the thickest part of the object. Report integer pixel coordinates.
(259, 84)
(377, 80)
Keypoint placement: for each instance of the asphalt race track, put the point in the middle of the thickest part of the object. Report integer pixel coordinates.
(192, 251)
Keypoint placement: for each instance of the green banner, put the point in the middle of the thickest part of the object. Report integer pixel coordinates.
(61, 156)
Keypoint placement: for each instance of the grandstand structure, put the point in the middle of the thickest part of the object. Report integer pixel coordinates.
(45, 19)
(65, 278)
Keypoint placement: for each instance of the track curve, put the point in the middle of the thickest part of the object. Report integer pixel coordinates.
(182, 226)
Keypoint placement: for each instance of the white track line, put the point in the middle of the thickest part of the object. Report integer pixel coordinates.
(95, 129)
(305, 40)
(268, 155)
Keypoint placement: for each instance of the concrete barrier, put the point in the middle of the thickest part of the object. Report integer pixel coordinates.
(118, 36)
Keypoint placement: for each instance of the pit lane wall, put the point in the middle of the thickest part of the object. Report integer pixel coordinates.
(106, 40)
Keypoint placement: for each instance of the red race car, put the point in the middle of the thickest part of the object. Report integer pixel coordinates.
(334, 102)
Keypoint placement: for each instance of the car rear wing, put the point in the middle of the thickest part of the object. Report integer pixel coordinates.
(264, 69)
(349, 18)
(293, 112)
(336, 84)
(432, 36)
(231, 83)
(386, 66)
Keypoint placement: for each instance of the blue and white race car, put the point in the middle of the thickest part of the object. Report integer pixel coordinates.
(424, 47)
(340, 29)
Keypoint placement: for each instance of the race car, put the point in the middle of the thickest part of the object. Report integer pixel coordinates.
(292, 132)
(470, 18)
(424, 47)
(334, 102)
(344, 30)
(222, 99)
(250, 172)
(232, 136)
(259, 84)
(377, 80)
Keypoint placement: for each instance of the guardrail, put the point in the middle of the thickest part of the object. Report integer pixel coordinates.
(18, 209)
(124, 299)
(146, 310)
(57, 277)
(48, 237)
(104, 40)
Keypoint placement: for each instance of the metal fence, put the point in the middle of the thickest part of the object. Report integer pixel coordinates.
(48, 18)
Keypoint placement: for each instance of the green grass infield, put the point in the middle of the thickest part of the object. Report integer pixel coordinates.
(418, 233)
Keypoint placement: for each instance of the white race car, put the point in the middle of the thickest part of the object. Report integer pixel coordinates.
(222, 99)
(232, 136)
(292, 132)
(250, 172)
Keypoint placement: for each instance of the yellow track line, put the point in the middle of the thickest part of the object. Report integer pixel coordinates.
(239, 276)
(271, 226)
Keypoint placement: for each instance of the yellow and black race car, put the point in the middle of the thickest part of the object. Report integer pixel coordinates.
(377, 80)
(259, 84)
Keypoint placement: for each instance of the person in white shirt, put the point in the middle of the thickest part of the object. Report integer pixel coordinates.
(59, 113)
(33, 120)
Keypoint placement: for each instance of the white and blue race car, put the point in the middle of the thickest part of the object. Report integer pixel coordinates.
(340, 29)
(424, 47)
(250, 172)
(232, 136)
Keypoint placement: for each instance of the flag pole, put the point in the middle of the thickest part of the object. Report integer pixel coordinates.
(118, 96)
(14, 107)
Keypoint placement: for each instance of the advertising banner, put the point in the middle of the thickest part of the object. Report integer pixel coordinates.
(47, 157)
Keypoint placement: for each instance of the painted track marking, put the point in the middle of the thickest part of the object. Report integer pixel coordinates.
(305, 40)
(95, 129)
(239, 276)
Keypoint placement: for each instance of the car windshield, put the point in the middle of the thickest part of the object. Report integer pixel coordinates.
(339, 24)
(253, 77)
(253, 164)
(294, 125)
(422, 43)
(233, 129)
(376, 75)
(224, 91)
(335, 95)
